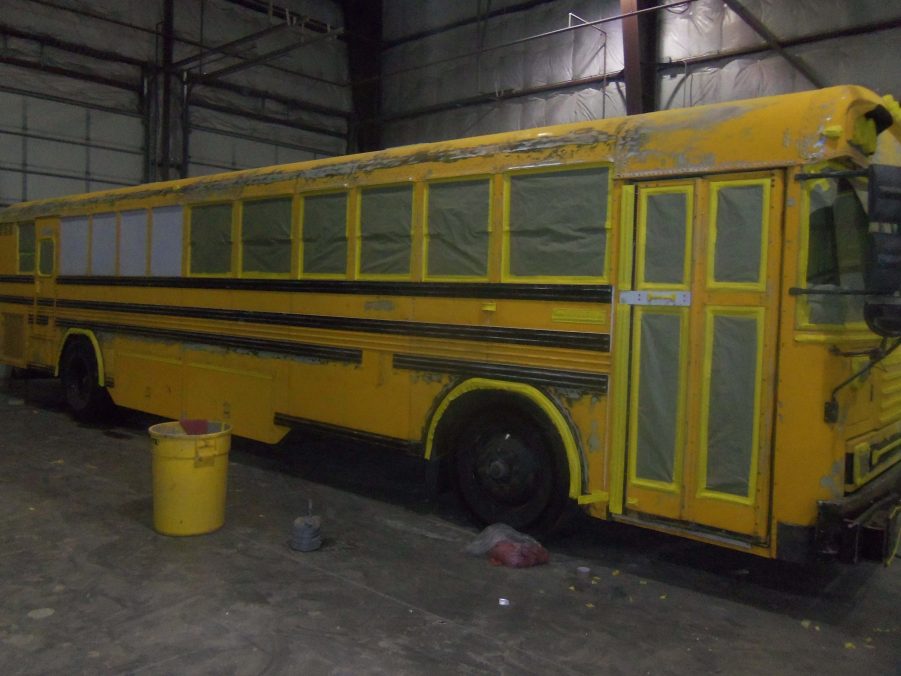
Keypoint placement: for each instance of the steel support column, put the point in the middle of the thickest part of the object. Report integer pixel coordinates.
(165, 163)
(363, 31)
(640, 52)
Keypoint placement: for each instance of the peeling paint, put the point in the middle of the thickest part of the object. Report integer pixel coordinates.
(594, 438)
(833, 481)
(379, 306)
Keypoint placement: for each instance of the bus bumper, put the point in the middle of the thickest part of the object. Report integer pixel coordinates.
(866, 523)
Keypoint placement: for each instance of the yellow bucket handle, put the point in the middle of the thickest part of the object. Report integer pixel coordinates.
(205, 445)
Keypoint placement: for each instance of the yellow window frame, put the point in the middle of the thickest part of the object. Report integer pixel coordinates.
(426, 234)
(358, 231)
(292, 234)
(688, 190)
(349, 209)
(715, 187)
(506, 275)
(189, 220)
(710, 313)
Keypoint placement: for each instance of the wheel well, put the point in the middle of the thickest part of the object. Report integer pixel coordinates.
(89, 340)
(477, 395)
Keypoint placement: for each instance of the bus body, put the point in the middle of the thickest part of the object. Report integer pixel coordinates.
(647, 316)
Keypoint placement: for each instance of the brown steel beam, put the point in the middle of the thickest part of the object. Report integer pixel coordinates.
(760, 28)
(166, 73)
(640, 55)
(363, 21)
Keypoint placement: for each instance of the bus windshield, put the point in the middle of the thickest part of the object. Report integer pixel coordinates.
(837, 249)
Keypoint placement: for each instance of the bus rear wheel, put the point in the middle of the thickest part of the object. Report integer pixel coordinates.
(509, 468)
(85, 397)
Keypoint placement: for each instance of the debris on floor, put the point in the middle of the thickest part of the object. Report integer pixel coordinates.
(506, 546)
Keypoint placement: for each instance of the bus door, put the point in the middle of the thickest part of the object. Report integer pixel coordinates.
(703, 309)
(42, 346)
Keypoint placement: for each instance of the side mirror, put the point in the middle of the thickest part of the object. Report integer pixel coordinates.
(883, 316)
(883, 313)
(885, 193)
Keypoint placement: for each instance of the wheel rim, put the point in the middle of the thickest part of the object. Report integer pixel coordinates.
(507, 469)
(505, 472)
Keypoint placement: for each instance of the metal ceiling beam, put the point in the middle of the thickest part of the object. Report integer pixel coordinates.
(269, 119)
(223, 49)
(492, 97)
(512, 9)
(296, 104)
(640, 52)
(66, 46)
(268, 56)
(71, 73)
(774, 43)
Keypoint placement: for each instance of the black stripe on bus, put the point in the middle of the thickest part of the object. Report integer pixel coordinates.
(286, 420)
(307, 350)
(16, 300)
(578, 340)
(572, 293)
(16, 279)
(588, 382)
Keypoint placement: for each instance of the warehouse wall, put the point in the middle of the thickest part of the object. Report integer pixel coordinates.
(80, 92)
(462, 81)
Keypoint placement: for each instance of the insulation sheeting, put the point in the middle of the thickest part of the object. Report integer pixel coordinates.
(465, 65)
(55, 141)
(708, 28)
(521, 113)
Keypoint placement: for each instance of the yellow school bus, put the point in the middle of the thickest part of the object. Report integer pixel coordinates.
(684, 320)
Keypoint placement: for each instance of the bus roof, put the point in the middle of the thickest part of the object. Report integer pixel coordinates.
(771, 131)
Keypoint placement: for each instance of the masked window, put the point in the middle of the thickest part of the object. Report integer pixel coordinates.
(211, 240)
(266, 236)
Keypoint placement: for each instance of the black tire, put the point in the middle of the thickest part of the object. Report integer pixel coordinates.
(509, 467)
(87, 400)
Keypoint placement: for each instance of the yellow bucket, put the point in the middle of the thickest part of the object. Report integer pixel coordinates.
(189, 476)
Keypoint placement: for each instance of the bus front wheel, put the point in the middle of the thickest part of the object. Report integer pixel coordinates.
(509, 468)
(85, 397)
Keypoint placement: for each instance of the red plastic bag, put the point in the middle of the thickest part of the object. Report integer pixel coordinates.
(517, 554)
(506, 546)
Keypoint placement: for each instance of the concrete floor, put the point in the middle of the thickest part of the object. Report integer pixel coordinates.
(86, 585)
